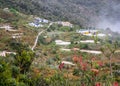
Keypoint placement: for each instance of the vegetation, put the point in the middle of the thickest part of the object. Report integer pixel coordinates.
(80, 12)
(44, 66)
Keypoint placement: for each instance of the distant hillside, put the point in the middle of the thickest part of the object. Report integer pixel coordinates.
(82, 12)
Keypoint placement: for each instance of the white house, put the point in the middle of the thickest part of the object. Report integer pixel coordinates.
(68, 24)
(60, 42)
(40, 20)
(87, 31)
(4, 53)
(88, 41)
(68, 50)
(35, 25)
(92, 51)
(45, 21)
(101, 35)
(17, 35)
(37, 22)
(8, 28)
(98, 35)
(6, 10)
(91, 32)
(68, 63)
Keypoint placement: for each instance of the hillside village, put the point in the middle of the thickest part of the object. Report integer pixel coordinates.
(58, 45)
(37, 22)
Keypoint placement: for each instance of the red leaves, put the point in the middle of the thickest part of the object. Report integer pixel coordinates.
(79, 60)
(75, 59)
(98, 84)
(84, 66)
(61, 66)
(95, 71)
(100, 63)
(115, 84)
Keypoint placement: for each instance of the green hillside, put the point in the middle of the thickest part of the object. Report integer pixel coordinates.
(77, 11)
(55, 43)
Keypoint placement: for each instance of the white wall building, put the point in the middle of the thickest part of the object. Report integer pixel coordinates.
(60, 42)
(87, 31)
(35, 25)
(4, 53)
(87, 41)
(68, 24)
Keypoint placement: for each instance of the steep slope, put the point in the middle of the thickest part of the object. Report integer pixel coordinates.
(82, 12)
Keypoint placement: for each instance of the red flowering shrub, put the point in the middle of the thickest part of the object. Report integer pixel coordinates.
(80, 59)
(115, 84)
(98, 84)
(84, 66)
(61, 66)
(100, 63)
(75, 59)
(95, 71)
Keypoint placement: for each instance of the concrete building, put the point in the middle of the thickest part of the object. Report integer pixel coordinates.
(60, 42)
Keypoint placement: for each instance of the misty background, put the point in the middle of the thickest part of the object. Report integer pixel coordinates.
(93, 13)
(109, 16)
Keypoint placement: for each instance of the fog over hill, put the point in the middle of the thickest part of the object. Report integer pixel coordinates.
(109, 17)
(99, 13)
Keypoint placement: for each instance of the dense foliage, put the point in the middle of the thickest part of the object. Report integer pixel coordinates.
(44, 66)
(77, 11)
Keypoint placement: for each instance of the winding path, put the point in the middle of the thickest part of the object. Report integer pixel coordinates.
(35, 43)
(36, 40)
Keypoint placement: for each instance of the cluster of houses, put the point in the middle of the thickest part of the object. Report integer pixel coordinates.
(68, 24)
(37, 22)
(91, 32)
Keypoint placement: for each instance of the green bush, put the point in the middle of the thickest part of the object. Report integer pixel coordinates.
(57, 80)
(15, 71)
(23, 60)
(76, 72)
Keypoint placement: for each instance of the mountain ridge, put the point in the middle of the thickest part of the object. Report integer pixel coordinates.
(81, 12)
